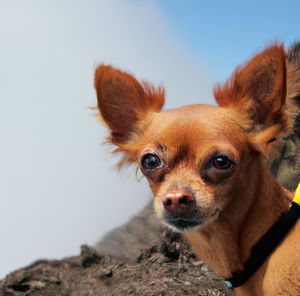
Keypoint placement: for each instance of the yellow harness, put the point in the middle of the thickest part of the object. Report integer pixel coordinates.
(297, 195)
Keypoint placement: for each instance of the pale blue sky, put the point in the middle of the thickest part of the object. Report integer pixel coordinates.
(226, 33)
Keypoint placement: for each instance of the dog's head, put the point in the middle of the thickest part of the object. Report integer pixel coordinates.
(195, 157)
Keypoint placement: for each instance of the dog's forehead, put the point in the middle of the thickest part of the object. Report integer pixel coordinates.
(193, 125)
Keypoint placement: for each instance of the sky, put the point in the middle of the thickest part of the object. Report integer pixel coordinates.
(58, 186)
(227, 33)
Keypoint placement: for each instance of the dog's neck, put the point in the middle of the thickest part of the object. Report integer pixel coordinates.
(226, 244)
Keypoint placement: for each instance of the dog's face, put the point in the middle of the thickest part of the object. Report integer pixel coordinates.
(191, 157)
(196, 156)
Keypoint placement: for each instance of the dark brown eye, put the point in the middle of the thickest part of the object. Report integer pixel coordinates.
(150, 162)
(222, 162)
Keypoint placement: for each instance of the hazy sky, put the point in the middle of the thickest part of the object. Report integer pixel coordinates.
(58, 188)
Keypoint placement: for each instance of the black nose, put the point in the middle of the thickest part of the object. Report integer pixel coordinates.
(178, 201)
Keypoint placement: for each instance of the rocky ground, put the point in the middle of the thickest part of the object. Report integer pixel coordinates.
(168, 268)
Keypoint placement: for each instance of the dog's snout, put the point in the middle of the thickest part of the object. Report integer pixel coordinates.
(178, 201)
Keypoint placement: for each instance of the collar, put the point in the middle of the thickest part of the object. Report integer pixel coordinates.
(267, 243)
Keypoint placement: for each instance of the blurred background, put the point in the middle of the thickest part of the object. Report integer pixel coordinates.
(58, 187)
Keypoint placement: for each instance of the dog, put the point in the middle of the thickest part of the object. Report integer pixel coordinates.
(206, 164)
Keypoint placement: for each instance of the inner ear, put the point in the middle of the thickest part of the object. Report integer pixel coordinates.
(123, 102)
(258, 89)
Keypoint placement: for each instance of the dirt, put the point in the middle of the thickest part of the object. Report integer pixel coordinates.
(168, 268)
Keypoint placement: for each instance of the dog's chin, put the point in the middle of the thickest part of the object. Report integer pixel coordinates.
(183, 224)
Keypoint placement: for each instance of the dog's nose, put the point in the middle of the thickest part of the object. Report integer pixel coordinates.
(178, 201)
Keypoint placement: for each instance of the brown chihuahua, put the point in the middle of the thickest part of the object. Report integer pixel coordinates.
(206, 164)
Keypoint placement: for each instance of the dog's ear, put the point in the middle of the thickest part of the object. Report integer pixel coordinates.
(257, 91)
(124, 103)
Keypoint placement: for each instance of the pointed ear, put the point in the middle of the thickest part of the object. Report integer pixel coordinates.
(124, 103)
(257, 90)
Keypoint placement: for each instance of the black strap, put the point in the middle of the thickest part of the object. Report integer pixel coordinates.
(266, 245)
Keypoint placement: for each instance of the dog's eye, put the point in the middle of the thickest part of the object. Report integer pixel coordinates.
(222, 162)
(150, 162)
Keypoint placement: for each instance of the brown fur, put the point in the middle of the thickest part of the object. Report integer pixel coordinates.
(233, 207)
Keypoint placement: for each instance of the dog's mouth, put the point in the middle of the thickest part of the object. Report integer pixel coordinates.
(184, 223)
